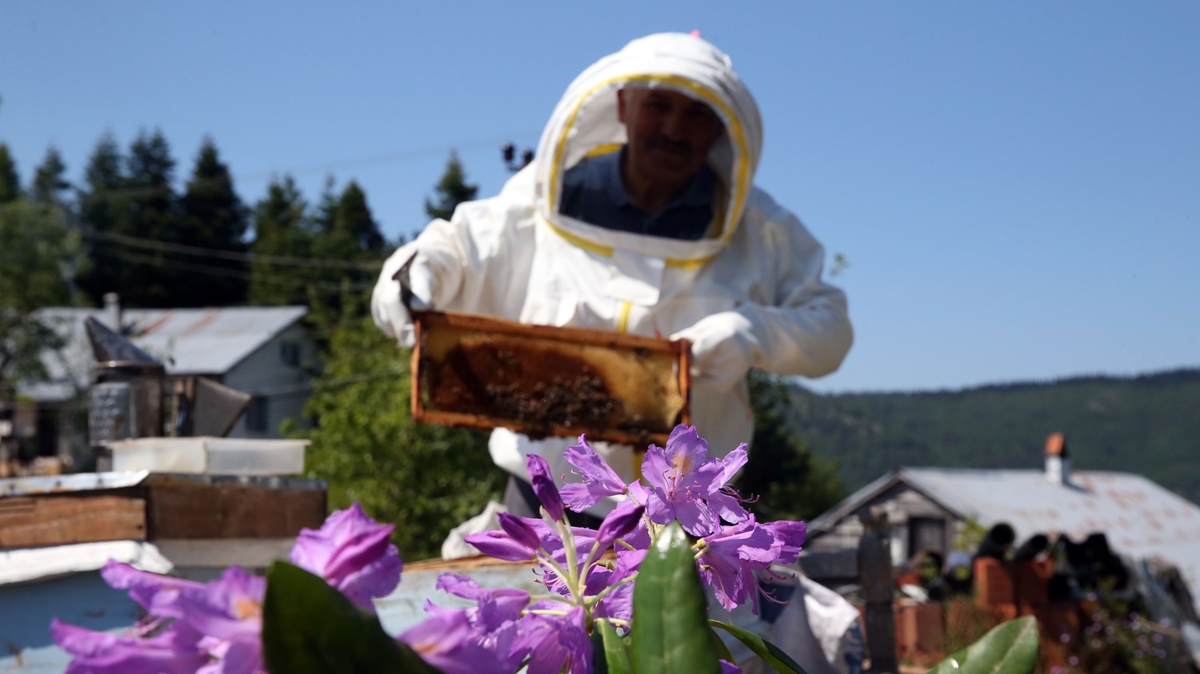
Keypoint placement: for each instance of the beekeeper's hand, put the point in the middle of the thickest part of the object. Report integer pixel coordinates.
(404, 278)
(723, 349)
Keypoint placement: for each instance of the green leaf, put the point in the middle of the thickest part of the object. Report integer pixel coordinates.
(1009, 648)
(719, 645)
(769, 652)
(614, 654)
(310, 628)
(669, 634)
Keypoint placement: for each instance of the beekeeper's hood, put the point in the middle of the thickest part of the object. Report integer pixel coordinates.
(585, 124)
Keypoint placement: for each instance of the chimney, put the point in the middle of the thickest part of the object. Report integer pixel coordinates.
(112, 312)
(1058, 464)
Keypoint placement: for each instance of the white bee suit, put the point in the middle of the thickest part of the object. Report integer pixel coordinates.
(748, 294)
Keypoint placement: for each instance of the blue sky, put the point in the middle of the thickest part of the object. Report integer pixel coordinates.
(1016, 185)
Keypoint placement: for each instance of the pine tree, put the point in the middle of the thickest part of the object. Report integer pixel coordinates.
(451, 190)
(212, 216)
(281, 228)
(345, 231)
(354, 217)
(103, 210)
(150, 279)
(10, 182)
(126, 217)
(49, 183)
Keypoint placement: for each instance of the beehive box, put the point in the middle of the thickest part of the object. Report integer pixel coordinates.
(479, 372)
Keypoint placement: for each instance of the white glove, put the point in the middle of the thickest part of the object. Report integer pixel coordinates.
(723, 349)
(387, 306)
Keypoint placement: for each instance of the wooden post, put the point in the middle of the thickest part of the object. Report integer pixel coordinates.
(875, 579)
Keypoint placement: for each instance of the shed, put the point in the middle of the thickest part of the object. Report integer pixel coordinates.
(263, 351)
(928, 507)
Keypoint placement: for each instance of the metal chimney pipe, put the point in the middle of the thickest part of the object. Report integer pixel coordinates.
(112, 311)
(1058, 465)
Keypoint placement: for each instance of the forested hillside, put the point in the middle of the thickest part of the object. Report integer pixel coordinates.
(1148, 425)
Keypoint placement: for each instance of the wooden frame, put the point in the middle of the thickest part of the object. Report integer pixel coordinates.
(428, 321)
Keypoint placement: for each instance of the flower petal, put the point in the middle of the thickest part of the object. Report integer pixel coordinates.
(543, 485)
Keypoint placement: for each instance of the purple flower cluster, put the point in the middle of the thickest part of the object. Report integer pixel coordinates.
(586, 583)
(215, 627)
(683, 484)
(588, 575)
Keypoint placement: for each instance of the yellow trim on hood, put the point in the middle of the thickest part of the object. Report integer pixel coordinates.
(739, 189)
(607, 251)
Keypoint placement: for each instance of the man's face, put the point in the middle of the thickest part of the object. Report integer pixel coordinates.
(669, 133)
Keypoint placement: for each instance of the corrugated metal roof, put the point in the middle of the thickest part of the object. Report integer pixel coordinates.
(1137, 515)
(187, 341)
(1140, 518)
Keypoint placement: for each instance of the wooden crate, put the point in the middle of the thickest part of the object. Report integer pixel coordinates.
(163, 506)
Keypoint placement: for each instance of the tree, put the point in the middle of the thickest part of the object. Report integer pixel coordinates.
(35, 246)
(10, 182)
(49, 183)
(128, 217)
(212, 216)
(451, 190)
(102, 210)
(153, 216)
(788, 481)
(426, 479)
(281, 229)
(344, 231)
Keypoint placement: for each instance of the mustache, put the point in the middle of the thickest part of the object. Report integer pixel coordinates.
(668, 144)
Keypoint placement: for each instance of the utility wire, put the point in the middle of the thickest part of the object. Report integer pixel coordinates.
(107, 193)
(215, 253)
(322, 287)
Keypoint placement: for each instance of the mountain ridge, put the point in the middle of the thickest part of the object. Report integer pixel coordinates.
(1147, 424)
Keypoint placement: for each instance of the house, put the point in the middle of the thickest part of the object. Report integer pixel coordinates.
(263, 351)
(928, 508)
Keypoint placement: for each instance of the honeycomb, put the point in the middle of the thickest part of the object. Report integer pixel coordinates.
(483, 373)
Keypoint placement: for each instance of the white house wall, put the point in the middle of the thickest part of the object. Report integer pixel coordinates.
(285, 388)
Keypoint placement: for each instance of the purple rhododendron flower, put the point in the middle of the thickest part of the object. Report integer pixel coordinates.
(622, 520)
(495, 607)
(174, 651)
(351, 552)
(730, 559)
(678, 483)
(158, 594)
(599, 479)
(216, 624)
(500, 545)
(450, 643)
(555, 643)
(229, 608)
(543, 486)
(789, 538)
(520, 531)
(724, 504)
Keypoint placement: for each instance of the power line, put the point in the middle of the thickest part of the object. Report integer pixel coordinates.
(329, 166)
(215, 253)
(320, 287)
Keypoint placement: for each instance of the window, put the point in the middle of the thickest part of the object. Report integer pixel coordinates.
(289, 352)
(926, 533)
(258, 415)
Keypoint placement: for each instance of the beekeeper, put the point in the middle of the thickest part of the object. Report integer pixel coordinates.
(639, 215)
